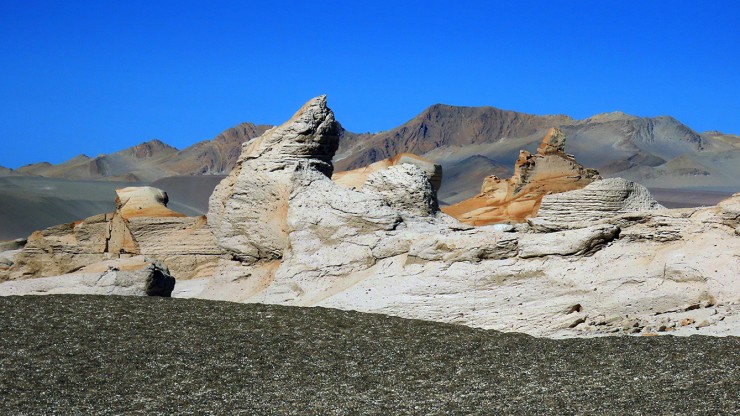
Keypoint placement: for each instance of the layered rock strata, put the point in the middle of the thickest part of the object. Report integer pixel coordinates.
(136, 276)
(548, 171)
(142, 224)
(381, 246)
(248, 210)
(601, 199)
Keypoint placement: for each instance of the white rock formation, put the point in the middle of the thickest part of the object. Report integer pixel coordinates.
(135, 276)
(385, 248)
(292, 236)
(248, 210)
(406, 188)
(601, 199)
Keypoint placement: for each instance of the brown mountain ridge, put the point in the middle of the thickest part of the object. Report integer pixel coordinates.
(469, 143)
(152, 160)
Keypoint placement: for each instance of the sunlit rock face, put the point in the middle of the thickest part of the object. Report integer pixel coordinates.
(248, 209)
(599, 200)
(356, 178)
(131, 276)
(141, 225)
(373, 240)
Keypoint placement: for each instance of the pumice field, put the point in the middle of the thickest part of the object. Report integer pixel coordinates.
(85, 354)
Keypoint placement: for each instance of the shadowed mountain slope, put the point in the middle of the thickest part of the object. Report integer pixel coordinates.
(137, 163)
(459, 175)
(217, 156)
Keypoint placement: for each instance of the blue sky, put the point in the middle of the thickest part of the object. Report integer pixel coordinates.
(95, 77)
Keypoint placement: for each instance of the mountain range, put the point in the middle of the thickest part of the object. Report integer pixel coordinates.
(469, 142)
(659, 152)
(151, 160)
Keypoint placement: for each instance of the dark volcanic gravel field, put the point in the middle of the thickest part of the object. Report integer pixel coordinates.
(116, 355)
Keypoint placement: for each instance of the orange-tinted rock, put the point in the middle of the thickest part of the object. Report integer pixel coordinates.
(356, 178)
(144, 201)
(554, 142)
(142, 224)
(535, 175)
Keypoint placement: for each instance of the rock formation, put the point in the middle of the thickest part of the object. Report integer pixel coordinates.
(135, 276)
(658, 152)
(142, 224)
(549, 171)
(601, 199)
(382, 247)
(356, 178)
(143, 202)
(290, 235)
(406, 188)
(248, 210)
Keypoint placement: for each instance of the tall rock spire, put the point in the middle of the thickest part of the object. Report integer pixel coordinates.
(248, 209)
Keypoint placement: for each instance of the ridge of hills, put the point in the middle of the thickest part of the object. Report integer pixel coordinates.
(658, 152)
(555, 250)
(469, 143)
(151, 160)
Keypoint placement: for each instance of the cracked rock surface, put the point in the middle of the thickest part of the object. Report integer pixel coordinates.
(134, 276)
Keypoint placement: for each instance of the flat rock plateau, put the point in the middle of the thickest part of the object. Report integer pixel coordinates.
(133, 355)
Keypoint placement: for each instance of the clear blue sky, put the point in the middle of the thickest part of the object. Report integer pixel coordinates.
(95, 77)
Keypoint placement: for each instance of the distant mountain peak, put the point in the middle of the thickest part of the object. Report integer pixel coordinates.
(81, 158)
(151, 148)
(610, 116)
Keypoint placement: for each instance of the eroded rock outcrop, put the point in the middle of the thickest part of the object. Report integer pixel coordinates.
(144, 201)
(601, 199)
(248, 210)
(142, 224)
(548, 171)
(293, 236)
(378, 244)
(136, 276)
(406, 188)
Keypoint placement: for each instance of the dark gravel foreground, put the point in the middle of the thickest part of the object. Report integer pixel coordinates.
(117, 355)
